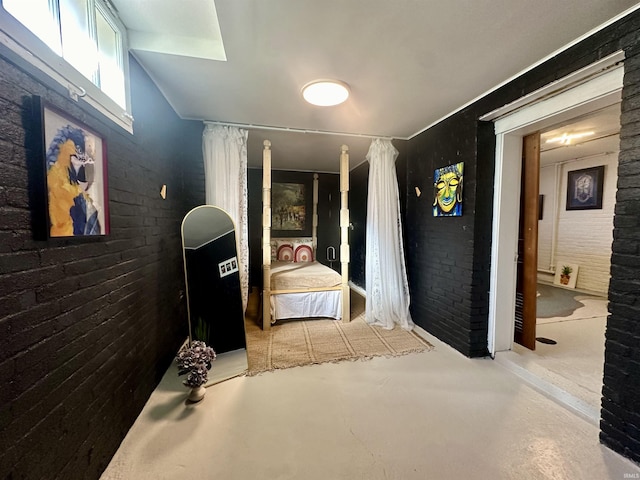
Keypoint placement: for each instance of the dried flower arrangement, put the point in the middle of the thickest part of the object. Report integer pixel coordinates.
(195, 361)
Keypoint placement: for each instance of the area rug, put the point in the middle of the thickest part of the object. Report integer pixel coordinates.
(292, 343)
(557, 301)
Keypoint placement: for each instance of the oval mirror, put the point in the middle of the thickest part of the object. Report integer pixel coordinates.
(214, 296)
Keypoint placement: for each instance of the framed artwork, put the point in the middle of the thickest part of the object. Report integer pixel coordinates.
(289, 207)
(566, 274)
(75, 173)
(584, 188)
(447, 190)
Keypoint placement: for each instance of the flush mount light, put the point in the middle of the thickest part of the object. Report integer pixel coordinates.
(325, 93)
(567, 138)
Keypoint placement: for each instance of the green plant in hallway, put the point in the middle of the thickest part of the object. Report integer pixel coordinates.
(565, 274)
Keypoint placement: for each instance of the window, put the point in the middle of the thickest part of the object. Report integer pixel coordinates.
(87, 35)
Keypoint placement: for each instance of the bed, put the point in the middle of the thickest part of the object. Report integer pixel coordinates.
(305, 290)
(294, 285)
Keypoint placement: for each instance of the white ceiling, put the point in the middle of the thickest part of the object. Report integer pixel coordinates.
(408, 63)
(605, 126)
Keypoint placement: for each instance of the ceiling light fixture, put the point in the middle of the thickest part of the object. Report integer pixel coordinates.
(566, 138)
(325, 93)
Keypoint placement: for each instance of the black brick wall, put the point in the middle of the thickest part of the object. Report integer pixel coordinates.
(358, 188)
(620, 423)
(88, 327)
(449, 258)
(441, 250)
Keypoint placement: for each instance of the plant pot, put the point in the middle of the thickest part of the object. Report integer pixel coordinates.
(197, 394)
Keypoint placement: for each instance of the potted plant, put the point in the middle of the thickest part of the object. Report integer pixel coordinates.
(195, 361)
(565, 274)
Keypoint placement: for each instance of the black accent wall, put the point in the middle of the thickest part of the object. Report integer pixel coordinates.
(441, 250)
(328, 218)
(449, 258)
(358, 189)
(88, 327)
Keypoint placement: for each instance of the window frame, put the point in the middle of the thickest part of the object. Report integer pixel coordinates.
(19, 39)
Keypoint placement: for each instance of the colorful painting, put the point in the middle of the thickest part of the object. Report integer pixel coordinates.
(584, 188)
(76, 179)
(288, 206)
(566, 274)
(447, 188)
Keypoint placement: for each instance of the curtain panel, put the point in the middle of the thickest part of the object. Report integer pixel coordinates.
(224, 150)
(385, 272)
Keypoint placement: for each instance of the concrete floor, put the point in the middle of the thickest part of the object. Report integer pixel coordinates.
(431, 415)
(572, 369)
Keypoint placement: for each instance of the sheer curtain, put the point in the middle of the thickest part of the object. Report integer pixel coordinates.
(385, 273)
(225, 170)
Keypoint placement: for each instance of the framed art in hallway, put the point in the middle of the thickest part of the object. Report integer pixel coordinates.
(584, 188)
(75, 174)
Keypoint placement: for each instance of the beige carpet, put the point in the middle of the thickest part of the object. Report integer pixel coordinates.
(292, 343)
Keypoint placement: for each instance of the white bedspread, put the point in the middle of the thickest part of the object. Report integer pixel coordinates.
(325, 304)
(290, 275)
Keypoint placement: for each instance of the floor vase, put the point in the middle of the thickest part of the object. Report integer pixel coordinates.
(196, 394)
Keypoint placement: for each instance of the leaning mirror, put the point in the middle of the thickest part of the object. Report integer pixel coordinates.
(214, 297)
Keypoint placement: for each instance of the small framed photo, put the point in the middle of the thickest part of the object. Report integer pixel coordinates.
(584, 188)
(75, 173)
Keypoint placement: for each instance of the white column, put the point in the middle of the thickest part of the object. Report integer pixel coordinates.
(344, 233)
(266, 236)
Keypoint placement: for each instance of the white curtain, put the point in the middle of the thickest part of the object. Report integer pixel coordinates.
(225, 170)
(385, 273)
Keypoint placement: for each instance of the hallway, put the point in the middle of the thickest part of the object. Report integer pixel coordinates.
(432, 415)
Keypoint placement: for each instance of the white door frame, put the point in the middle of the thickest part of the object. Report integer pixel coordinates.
(512, 123)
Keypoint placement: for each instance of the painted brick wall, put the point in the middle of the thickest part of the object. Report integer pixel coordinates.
(448, 257)
(358, 187)
(620, 423)
(88, 328)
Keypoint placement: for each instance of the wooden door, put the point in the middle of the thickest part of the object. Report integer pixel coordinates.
(526, 287)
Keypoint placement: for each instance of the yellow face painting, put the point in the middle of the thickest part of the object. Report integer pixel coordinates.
(448, 191)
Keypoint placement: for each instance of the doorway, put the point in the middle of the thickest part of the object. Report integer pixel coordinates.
(598, 92)
(571, 316)
(564, 244)
(590, 91)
